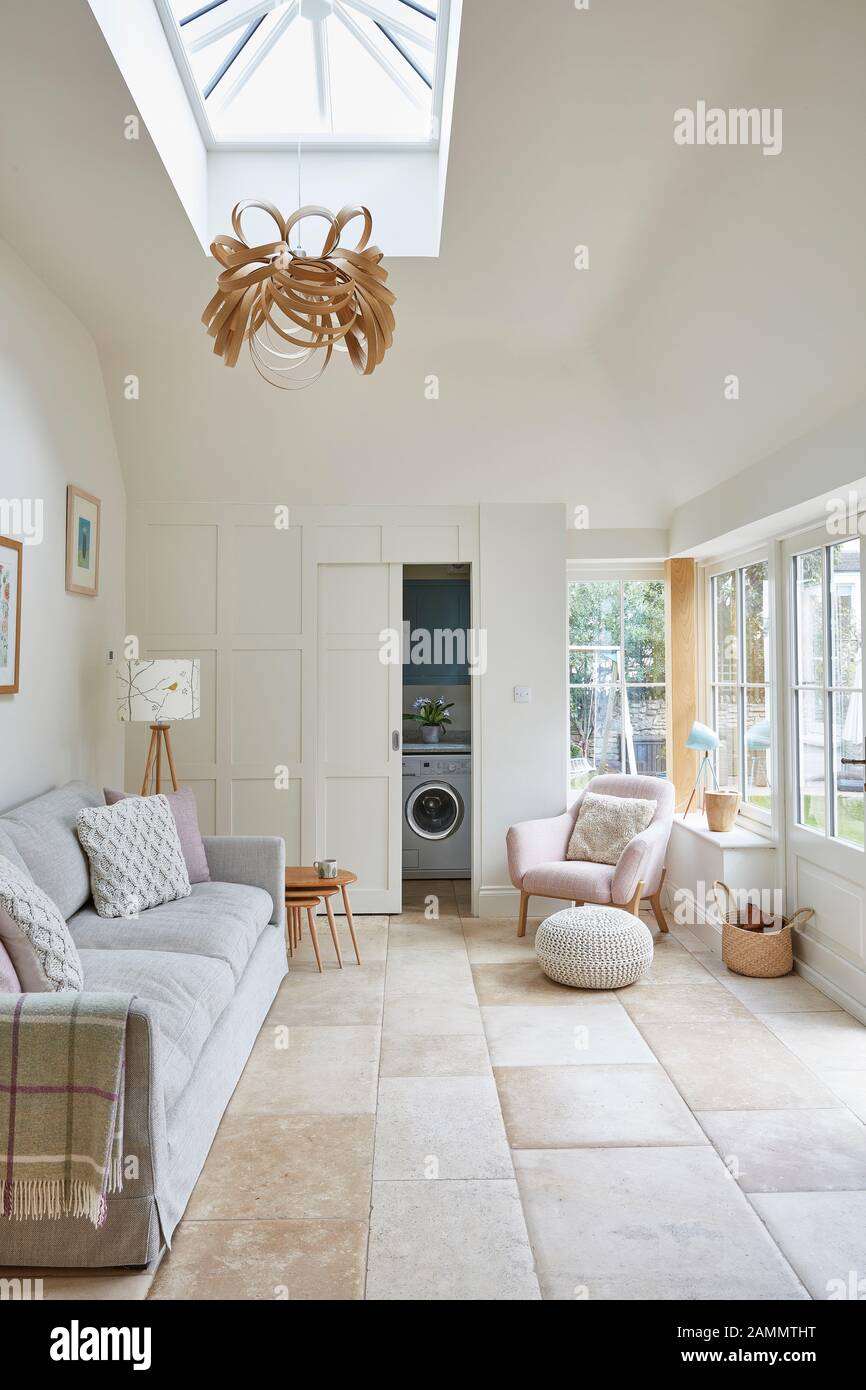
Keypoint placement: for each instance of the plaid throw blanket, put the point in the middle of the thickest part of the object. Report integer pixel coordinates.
(61, 1103)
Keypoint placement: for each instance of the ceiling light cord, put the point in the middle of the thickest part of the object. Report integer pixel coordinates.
(298, 249)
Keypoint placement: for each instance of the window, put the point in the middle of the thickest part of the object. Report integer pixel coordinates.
(369, 71)
(740, 682)
(828, 693)
(616, 675)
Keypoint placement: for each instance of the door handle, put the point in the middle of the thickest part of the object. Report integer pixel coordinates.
(395, 740)
(854, 762)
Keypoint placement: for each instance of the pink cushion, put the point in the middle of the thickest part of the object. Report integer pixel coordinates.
(185, 812)
(9, 982)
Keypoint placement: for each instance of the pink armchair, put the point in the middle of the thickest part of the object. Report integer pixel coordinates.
(538, 866)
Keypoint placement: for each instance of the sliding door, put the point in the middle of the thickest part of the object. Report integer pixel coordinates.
(823, 574)
(359, 729)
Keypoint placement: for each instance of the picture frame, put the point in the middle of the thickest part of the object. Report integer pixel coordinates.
(83, 538)
(11, 553)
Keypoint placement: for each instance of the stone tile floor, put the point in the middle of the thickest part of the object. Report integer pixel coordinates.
(448, 1124)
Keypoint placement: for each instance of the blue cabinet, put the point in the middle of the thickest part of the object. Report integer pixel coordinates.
(437, 611)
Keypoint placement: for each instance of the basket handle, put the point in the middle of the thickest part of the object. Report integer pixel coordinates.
(725, 909)
(801, 917)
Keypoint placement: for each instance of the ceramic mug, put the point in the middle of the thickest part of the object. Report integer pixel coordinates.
(325, 868)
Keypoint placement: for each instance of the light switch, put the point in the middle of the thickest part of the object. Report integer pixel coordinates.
(522, 694)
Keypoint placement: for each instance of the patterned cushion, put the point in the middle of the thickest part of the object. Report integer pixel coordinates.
(184, 808)
(605, 824)
(594, 947)
(136, 861)
(35, 935)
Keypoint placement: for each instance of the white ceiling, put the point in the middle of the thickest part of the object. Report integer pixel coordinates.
(603, 386)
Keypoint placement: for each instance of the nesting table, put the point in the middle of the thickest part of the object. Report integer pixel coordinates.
(304, 888)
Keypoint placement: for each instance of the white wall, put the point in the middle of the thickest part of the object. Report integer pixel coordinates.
(523, 747)
(56, 430)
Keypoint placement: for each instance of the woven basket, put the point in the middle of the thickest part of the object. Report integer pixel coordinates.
(761, 951)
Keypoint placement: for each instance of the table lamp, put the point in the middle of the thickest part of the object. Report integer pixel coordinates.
(158, 692)
(706, 741)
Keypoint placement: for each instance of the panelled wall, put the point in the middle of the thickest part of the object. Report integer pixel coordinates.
(297, 712)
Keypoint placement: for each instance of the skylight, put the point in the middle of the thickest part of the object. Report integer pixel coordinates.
(321, 71)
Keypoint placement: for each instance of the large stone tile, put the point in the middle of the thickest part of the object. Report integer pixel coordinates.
(422, 1014)
(823, 1234)
(789, 994)
(682, 1001)
(592, 1030)
(442, 1055)
(566, 1107)
(824, 1041)
(790, 1150)
(272, 1260)
(353, 995)
(449, 1241)
(644, 1223)
(673, 964)
(310, 1071)
(444, 973)
(849, 1086)
(420, 935)
(734, 1064)
(522, 982)
(440, 1127)
(371, 931)
(283, 1167)
(416, 892)
(491, 941)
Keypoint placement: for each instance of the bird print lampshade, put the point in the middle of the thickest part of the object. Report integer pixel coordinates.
(159, 690)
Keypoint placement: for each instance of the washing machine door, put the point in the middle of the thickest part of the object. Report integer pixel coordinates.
(434, 810)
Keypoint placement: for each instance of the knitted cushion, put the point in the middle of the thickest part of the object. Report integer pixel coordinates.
(594, 947)
(136, 861)
(35, 935)
(605, 825)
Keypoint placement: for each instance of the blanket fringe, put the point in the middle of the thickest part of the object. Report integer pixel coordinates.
(34, 1199)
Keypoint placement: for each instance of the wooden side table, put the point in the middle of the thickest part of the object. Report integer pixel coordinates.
(303, 879)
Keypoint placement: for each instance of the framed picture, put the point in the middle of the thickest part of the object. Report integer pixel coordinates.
(10, 615)
(82, 542)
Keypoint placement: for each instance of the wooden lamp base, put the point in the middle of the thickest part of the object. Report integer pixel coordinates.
(159, 735)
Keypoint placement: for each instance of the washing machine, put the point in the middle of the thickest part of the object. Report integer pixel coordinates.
(437, 826)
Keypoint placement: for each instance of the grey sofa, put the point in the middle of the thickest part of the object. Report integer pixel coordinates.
(204, 972)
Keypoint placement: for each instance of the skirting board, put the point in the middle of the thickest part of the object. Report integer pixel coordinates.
(504, 901)
(710, 933)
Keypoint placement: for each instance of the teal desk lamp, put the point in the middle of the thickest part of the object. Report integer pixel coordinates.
(706, 741)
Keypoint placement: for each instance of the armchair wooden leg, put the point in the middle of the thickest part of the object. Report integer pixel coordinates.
(524, 908)
(633, 905)
(657, 908)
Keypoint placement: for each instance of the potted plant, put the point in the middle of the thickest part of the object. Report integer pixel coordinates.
(431, 716)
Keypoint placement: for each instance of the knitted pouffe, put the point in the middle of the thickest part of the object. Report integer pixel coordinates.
(594, 947)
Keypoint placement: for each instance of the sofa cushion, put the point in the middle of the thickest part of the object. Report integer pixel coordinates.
(186, 993)
(220, 920)
(35, 935)
(43, 833)
(136, 861)
(575, 879)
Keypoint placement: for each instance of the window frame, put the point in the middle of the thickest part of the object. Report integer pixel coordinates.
(622, 573)
(757, 818)
(827, 687)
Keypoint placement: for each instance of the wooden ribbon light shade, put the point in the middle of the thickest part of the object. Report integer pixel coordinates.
(294, 309)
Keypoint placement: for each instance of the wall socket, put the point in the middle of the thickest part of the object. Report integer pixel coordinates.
(522, 694)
